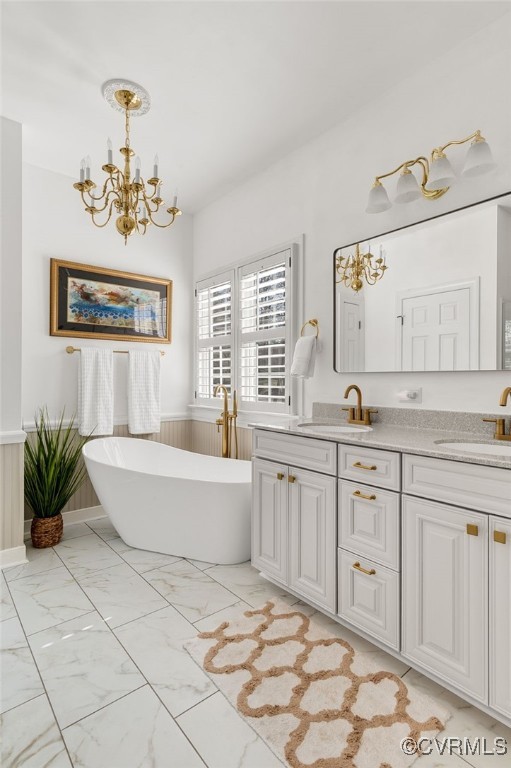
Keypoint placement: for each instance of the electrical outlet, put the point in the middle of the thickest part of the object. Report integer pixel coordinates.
(410, 396)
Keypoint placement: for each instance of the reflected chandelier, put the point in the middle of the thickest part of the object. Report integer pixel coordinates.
(354, 270)
(130, 198)
(437, 174)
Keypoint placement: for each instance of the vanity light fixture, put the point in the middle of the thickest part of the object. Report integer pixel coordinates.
(355, 269)
(129, 197)
(437, 174)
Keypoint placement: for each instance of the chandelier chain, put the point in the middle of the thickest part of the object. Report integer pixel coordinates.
(127, 127)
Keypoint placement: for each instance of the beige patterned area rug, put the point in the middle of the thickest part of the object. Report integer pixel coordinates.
(315, 701)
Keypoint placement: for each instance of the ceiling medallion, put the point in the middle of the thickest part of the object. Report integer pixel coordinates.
(135, 203)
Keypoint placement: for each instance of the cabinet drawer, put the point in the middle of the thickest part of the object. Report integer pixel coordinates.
(369, 600)
(473, 486)
(369, 465)
(305, 452)
(368, 522)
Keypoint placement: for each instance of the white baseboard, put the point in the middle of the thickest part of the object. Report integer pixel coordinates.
(13, 556)
(75, 516)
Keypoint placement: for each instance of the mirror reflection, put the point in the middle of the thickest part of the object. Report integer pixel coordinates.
(435, 296)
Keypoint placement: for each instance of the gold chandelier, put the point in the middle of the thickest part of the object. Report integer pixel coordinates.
(129, 197)
(437, 174)
(354, 270)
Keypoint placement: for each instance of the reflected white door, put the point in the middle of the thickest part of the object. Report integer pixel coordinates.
(436, 331)
(352, 356)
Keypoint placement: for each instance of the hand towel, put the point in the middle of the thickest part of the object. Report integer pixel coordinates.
(304, 358)
(96, 392)
(144, 392)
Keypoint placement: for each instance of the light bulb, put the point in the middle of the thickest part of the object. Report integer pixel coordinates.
(441, 173)
(407, 188)
(109, 151)
(479, 159)
(378, 199)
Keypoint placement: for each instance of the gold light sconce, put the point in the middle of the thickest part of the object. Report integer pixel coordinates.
(437, 174)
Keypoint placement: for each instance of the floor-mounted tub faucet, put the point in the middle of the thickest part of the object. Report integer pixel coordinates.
(228, 422)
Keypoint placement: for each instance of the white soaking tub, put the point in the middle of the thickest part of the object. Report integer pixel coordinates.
(168, 500)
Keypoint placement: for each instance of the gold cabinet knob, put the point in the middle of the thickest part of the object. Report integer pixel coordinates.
(472, 530)
(500, 537)
(280, 475)
(291, 478)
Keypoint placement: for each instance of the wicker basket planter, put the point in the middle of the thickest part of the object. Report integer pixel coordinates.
(46, 531)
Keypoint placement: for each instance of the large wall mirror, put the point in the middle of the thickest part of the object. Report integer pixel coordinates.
(434, 296)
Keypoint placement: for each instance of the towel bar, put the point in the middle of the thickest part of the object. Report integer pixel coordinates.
(70, 351)
(314, 323)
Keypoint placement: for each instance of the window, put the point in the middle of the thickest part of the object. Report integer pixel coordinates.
(243, 333)
(214, 332)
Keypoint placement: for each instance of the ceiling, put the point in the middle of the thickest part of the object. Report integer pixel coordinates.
(234, 85)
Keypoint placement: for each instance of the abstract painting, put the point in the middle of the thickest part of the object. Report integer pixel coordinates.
(94, 302)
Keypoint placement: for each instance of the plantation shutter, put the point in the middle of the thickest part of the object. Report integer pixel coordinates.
(264, 332)
(214, 308)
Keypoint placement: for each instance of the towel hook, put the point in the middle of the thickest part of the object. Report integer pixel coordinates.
(314, 323)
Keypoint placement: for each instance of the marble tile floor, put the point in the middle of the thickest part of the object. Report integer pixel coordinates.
(94, 675)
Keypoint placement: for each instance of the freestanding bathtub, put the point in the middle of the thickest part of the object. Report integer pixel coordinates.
(168, 500)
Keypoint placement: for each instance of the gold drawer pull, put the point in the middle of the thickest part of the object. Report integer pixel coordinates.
(361, 495)
(499, 537)
(472, 530)
(280, 475)
(291, 478)
(363, 570)
(359, 465)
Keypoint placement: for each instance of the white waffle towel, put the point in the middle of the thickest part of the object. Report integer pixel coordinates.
(144, 392)
(304, 358)
(96, 392)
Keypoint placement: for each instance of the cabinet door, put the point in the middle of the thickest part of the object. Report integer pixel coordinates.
(500, 615)
(444, 586)
(312, 536)
(269, 518)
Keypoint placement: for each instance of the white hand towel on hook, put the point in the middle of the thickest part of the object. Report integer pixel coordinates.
(304, 358)
(96, 392)
(144, 392)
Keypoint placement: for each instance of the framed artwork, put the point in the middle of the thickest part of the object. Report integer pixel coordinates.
(98, 303)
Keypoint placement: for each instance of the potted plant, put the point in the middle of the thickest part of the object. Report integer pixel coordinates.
(53, 473)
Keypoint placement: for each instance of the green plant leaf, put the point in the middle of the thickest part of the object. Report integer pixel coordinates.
(54, 468)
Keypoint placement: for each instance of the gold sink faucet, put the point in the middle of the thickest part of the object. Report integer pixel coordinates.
(357, 414)
(228, 422)
(500, 424)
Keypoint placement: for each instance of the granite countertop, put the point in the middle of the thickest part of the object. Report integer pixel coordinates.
(390, 437)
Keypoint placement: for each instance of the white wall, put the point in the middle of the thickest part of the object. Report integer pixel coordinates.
(10, 277)
(55, 225)
(321, 191)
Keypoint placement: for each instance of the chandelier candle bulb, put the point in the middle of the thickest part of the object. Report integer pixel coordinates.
(137, 170)
(109, 152)
(82, 171)
(155, 167)
(174, 202)
(87, 168)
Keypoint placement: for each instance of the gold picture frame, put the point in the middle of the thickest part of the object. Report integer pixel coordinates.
(100, 303)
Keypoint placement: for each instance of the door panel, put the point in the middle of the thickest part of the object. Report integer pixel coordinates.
(445, 578)
(269, 518)
(436, 331)
(312, 533)
(500, 615)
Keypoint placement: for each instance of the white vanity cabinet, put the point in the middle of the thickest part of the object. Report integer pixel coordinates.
(445, 587)
(500, 614)
(294, 515)
(412, 551)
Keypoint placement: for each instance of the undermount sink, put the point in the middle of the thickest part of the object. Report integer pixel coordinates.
(491, 449)
(335, 429)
